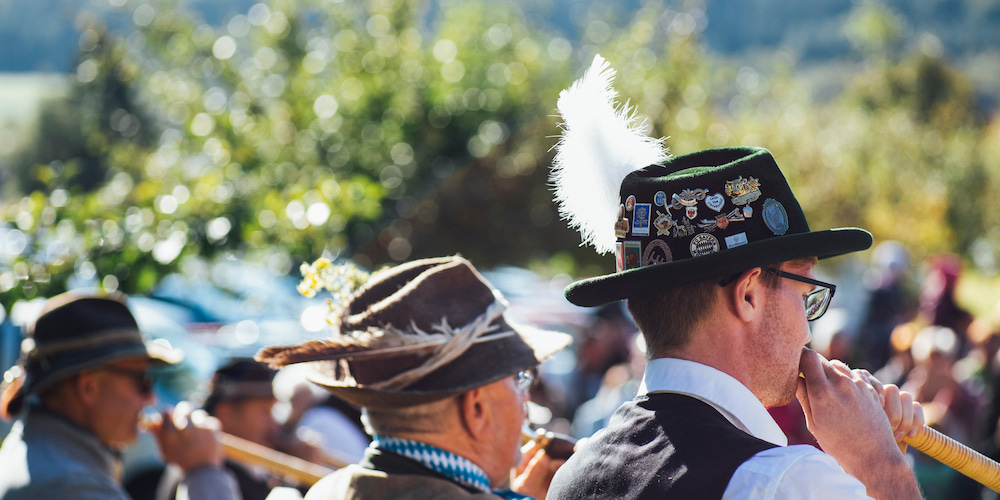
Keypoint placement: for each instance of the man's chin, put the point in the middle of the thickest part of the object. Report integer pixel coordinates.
(782, 397)
(123, 442)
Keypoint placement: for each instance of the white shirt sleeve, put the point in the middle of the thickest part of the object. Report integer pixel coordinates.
(793, 472)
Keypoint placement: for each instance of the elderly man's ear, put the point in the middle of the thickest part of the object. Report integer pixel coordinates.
(473, 408)
(87, 386)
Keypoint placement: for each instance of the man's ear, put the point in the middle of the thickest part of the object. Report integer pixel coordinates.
(87, 386)
(473, 409)
(224, 410)
(745, 295)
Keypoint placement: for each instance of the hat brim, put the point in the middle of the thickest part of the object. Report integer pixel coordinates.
(154, 351)
(482, 364)
(623, 285)
(158, 353)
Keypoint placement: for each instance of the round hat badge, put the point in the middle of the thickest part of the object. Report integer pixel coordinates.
(703, 244)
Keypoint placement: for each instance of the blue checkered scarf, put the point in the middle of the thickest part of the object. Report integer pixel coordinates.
(457, 468)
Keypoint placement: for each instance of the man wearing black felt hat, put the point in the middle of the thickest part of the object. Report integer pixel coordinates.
(716, 262)
(79, 387)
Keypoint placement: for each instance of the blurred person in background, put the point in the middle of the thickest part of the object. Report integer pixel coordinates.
(887, 305)
(241, 397)
(606, 342)
(79, 388)
(984, 367)
(897, 368)
(988, 329)
(949, 406)
(442, 378)
(938, 303)
(620, 384)
(316, 417)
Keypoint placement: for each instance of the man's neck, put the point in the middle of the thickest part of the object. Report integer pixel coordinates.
(719, 345)
(73, 415)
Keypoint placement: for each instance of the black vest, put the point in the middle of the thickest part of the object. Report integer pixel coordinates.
(658, 446)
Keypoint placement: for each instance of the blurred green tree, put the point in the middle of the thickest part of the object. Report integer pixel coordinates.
(294, 130)
(386, 130)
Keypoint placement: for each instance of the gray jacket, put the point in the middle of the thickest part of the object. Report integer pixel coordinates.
(46, 456)
(383, 475)
(358, 483)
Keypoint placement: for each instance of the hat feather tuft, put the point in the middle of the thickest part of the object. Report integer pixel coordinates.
(601, 143)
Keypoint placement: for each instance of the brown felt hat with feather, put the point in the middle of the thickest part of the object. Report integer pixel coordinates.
(419, 332)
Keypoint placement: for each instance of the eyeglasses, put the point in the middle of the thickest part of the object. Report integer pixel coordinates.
(142, 380)
(524, 380)
(818, 300)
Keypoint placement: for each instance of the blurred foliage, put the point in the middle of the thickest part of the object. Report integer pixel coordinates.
(387, 130)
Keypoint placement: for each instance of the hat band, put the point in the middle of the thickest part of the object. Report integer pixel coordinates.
(95, 339)
(462, 339)
(245, 389)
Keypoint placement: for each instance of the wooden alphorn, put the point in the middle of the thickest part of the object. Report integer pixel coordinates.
(283, 464)
(957, 456)
(242, 450)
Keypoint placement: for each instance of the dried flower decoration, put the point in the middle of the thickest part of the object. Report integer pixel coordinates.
(341, 280)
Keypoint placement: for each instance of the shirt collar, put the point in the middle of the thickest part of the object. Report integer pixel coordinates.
(56, 427)
(456, 467)
(723, 392)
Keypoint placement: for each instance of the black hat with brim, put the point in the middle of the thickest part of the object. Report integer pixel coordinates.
(707, 215)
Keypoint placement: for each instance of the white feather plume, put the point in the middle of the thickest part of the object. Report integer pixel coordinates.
(600, 144)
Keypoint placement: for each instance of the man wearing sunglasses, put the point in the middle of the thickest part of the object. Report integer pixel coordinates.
(723, 289)
(79, 387)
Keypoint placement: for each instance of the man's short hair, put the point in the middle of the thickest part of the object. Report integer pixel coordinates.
(667, 318)
(420, 419)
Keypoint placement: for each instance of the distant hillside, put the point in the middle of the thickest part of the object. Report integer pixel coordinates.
(39, 35)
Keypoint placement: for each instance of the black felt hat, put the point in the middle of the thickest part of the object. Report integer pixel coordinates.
(419, 332)
(707, 215)
(74, 333)
(240, 378)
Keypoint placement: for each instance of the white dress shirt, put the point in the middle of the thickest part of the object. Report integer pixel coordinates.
(798, 472)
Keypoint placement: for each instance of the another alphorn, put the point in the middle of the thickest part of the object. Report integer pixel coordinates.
(242, 450)
(957, 456)
(283, 464)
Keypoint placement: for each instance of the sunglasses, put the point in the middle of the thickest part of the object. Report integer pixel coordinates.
(141, 379)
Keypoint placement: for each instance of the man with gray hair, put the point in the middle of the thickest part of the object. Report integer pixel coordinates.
(442, 377)
(79, 388)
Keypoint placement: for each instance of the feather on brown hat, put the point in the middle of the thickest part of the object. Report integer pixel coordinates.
(417, 333)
